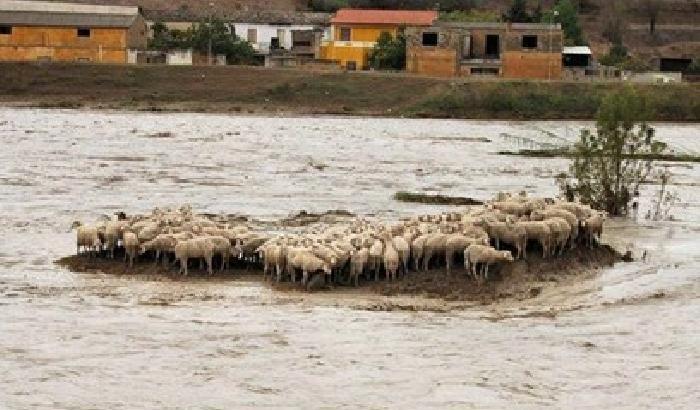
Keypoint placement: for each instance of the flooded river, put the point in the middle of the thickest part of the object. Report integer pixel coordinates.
(629, 338)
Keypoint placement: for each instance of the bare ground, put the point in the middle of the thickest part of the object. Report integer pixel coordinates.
(432, 290)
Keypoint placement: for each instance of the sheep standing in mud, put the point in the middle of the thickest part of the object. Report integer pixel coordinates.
(196, 248)
(131, 247)
(346, 249)
(88, 239)
(485, 256)
(358, 263)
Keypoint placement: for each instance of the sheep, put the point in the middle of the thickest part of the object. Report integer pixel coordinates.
(358, 262)
(560, 230)
(484, 255)
(221, 246)
(417, 248)
(538, 231)
(308, 263)
(113, 233)
(434, 245)
(131, 247)
(88, 238)
(593, 228)
(456, 244)
(509, 233)
(194, 248)
(552, 212)
(404, 251)
(376, 253)
(161, 244)
(391, 260)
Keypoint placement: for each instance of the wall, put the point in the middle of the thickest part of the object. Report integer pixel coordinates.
(106, 45)
(362, 40)
(265, 33)
(344, 52)
(517, 64)
(432, 61)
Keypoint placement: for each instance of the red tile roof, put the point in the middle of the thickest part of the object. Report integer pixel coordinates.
(400, 17)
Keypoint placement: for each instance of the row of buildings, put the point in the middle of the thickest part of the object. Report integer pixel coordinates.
(35, 30)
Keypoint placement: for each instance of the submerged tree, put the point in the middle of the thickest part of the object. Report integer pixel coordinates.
(609, 164)
(389, 53)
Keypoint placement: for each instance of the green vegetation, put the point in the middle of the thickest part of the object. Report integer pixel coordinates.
(566, 153)
(566, 14)
(199, 38)
(618, 57)
(435, 199)
(389, 53)
(608, 165)
(327, 6)
(470, 16)
(252, 89)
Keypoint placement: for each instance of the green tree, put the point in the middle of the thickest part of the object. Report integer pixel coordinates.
(567, 15)
(609, 164)
(389, 53)
(517, 12)
(223, 41)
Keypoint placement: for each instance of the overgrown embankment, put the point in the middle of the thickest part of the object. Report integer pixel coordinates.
(258, 90)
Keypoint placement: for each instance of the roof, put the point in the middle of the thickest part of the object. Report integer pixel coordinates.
(42, 13)
(582, 50)
(400, 17)
(467, 25)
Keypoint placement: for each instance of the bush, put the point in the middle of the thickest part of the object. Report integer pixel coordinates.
(389, 53)
(609, 164)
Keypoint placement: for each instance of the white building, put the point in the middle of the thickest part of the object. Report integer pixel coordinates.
(264, 37)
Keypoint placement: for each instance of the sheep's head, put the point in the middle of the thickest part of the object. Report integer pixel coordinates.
(507, 256)
(76, 225)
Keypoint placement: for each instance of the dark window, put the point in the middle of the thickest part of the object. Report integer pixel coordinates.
(274, 43)
(351, 65)
(430, 39)
(345, 34)
(484, 71)
(674, 64)
(529, 41)
(5, 29)
(493, 46)
(83, 32)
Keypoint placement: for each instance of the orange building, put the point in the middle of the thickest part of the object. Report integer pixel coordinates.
(49, 31)
(354, 32)
(510, 50)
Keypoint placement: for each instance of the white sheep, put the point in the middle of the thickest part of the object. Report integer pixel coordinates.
(391, 260)
(540, 232)
(131, 247)
(88, 238)
(358, 263)
(194, 248)
(485, 256)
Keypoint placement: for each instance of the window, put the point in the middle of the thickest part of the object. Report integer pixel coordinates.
(493, 46)
(484, 71)
(83, 32)
(345, 34)
(252, 35)
(4, 29)
(529, 42)
(274, 43)
(430, 39)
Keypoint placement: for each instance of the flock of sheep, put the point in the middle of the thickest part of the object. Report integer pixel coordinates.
(500, 231)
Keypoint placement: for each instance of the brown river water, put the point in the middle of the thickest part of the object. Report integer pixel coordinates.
(627, 338)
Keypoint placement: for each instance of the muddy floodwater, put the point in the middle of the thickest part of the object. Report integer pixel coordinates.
(626, 338)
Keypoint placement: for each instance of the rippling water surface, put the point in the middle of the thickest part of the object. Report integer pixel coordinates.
(627, 339)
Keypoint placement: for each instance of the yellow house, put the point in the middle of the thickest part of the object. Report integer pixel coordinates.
(52, 31)
(354, 32)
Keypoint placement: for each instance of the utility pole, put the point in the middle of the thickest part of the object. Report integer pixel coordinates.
(549, 60)
(211, 12)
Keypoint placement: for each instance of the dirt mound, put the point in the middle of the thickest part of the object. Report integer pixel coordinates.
(523, 279)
